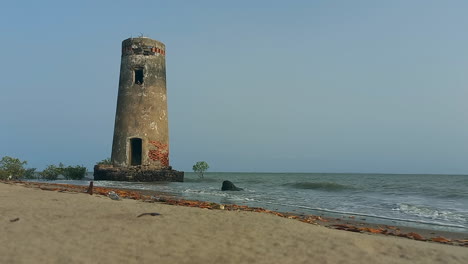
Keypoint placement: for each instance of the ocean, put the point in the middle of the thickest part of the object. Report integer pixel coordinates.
(437, 202)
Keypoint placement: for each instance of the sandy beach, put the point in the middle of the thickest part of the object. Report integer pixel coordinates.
(67, 227)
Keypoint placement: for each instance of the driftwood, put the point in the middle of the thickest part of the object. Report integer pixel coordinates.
(90, 188)
(152, 214)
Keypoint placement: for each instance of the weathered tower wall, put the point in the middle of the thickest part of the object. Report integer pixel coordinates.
(141, 106)
(141, 133)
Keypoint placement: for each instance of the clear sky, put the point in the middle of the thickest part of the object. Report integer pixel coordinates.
(279, 86)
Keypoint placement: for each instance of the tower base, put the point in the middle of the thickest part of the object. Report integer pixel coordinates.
(136, 174)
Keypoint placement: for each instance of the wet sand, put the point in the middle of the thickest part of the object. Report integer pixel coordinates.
(71, 227)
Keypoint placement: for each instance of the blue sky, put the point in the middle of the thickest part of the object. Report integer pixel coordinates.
(295, 86)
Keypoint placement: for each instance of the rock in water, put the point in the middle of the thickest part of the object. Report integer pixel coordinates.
(229, 186)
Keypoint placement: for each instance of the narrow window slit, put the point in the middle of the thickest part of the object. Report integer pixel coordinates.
(139, 76)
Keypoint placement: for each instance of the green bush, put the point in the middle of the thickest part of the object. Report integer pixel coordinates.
(74, 173)
(200, 168)
(29, 173)
(3, 175)
(51, 173)
(11, 167)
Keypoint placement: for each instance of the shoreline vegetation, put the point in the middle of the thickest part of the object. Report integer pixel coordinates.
(57, 223)
(13, 169)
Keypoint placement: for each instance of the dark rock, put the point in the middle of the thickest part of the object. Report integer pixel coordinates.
(229, 186)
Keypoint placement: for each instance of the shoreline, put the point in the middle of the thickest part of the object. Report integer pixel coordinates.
(323, 196)
(57, 223)
(345, 223)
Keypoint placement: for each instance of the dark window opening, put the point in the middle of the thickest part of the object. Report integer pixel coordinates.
(135, 151)
(148, 50)
(139, 76)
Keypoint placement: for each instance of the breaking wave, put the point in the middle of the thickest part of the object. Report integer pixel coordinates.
(431, 213)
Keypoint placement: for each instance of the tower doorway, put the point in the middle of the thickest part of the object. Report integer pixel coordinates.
(135, 151)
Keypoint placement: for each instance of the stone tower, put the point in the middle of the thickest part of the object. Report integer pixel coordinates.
(140, 149)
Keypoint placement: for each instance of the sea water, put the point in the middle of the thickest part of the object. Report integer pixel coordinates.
(427, 201)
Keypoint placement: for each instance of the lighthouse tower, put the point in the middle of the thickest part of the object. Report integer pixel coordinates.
(140, 149)
(141, 134)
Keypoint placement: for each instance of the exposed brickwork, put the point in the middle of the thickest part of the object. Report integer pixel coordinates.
(161, 153)
(142, 49)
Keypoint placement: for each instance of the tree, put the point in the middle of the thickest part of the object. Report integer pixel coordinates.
(11, 168)
(200, 168)
(30, 173)
(74, 173)
(52, 172)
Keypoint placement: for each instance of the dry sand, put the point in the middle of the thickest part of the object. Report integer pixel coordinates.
(58, 227)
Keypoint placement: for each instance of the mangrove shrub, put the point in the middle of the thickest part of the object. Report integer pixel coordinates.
(74, 173)
(200, 168)
(11, 168)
